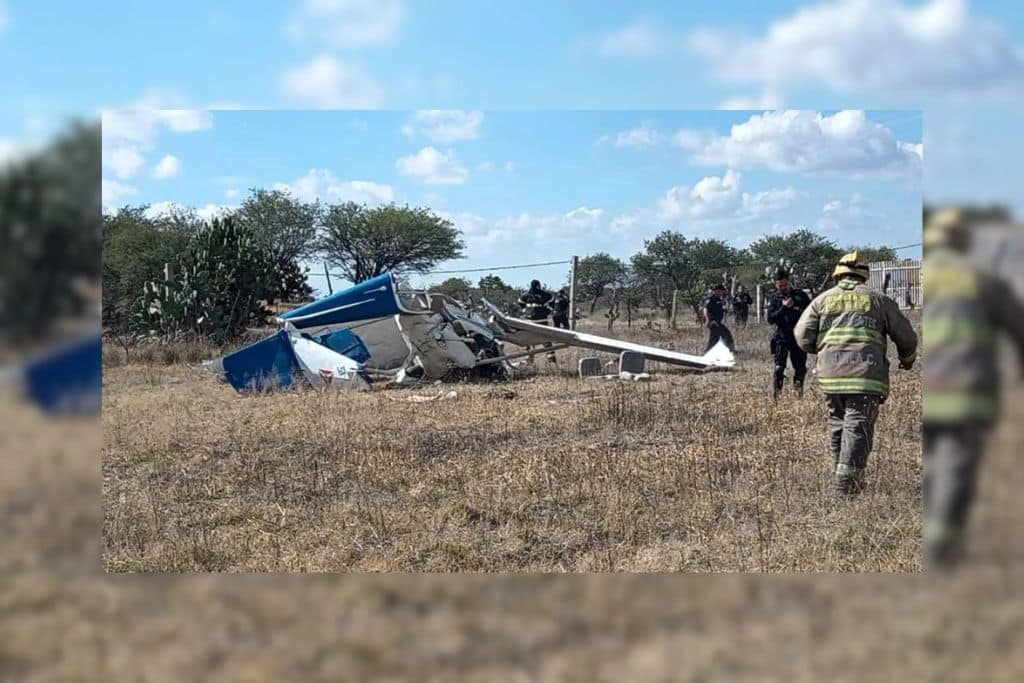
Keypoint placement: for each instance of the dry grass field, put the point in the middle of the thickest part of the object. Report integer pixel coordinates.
(61, 619)
(688, 472)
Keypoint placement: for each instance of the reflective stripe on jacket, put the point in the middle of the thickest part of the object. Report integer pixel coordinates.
(965, 310)
(848, 326)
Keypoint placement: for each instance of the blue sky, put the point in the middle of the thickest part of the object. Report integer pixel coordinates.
(959, 61)
(528, 186)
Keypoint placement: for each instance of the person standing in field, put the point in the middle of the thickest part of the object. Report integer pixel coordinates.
(560, 308)
(714, 318)
(536, 304)
(785, 306)
(965, 311)
(848, 327)
(741, 302)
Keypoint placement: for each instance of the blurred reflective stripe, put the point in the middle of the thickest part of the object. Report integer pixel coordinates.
(838, 335)
(852, 385)
(955, 329)
(946, 405)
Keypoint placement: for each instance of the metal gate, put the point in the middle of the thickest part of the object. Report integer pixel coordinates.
(900, 280)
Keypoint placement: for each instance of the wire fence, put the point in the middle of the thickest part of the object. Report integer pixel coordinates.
(455, 271)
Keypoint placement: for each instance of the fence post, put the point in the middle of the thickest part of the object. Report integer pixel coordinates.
(758, 303)
(675, 300)
(572, 291)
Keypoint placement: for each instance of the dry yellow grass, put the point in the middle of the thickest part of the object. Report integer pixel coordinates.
(690, 472)
(62, 620)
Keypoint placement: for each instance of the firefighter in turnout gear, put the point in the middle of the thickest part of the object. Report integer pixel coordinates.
(714, 318)
(847, 327)
(784, 308)
(966, 309)
(536, 304)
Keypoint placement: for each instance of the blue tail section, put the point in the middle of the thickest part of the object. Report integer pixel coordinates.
(267, 364)
(375, 298)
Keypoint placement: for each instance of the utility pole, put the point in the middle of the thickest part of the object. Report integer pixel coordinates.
(330, 290)
(572, 291)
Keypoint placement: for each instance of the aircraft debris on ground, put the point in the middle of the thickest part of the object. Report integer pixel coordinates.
(378, 331)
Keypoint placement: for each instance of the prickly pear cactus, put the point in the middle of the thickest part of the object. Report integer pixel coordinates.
(217, 288)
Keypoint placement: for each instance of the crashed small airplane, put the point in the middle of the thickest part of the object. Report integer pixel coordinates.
(378, 330)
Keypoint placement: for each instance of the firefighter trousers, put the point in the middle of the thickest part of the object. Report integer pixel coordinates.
(851, 430)
(951, 457)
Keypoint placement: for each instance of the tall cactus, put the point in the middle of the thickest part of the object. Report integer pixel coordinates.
(216, 289)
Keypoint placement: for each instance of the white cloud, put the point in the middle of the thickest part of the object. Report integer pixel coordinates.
(849, 215)
(637, 39)
(231, 193)
(348, 23)
(168, 167)
(640, 137)
(131, 131)
(510, 167)
(691, 139)
(766, 100)
(126, 162)
(321, 184)
(326, 81)
(721, 198)
(585, 217)
(114, 194)
(433, 167)
(205, 212)
(845, 143)
(878, 46)
(712, 207)
(142, 121)
(210, 211)
(445, 125)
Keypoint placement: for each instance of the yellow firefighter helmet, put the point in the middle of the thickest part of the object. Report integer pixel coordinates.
(852, 264)
(947, 227)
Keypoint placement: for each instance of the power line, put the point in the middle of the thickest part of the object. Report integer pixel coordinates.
(469, 270)
(480, 270)
(907, 246)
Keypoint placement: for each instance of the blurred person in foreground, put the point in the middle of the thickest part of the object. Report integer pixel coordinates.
(847, 327)
(784, 308)
(964, 311)
(714, 319)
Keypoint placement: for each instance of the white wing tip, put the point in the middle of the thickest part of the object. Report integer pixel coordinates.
(719, 356)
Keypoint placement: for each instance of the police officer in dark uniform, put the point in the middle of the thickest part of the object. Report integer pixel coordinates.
(536, 305)
(785, 305)
(560, 306)
(714, 318)
(741, 302)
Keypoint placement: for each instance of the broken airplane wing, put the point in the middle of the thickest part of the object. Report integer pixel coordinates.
(526, 333)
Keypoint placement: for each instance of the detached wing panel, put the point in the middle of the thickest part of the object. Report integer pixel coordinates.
(523, 333)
